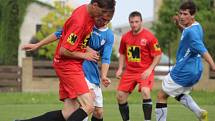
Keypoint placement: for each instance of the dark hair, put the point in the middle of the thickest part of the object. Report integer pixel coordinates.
(105, 4)
(190, 5)
(135, 13)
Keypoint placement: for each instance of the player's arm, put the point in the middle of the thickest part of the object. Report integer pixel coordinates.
(209, 60)
(156, 52)
(121, 64)
(49, 39)
(89, 55)
(106, 58)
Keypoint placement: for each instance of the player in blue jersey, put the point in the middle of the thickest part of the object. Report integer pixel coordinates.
(188, 68)
(101, 41)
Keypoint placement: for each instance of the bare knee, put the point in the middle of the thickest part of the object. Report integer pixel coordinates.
(145, 92)
(121, 97)
(98, 113)
(86, 102)
(70, 105)
(162, 97)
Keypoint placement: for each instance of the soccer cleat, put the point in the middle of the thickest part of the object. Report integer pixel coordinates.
(203, 116)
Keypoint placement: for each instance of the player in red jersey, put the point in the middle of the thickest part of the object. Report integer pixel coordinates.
(140, 51)
(68, 59)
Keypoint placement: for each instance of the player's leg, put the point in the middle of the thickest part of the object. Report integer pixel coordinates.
(97, 114)
(161, 106)
(49, 116)
(98, 103)
(145, 87)
(189, 103)
(75, 87)
(123, 104)
(86, 108)
(125, 87)
(147, 103)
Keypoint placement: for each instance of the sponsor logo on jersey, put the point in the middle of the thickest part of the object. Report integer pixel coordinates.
(72, 38)
(133, 54)
(86, 40)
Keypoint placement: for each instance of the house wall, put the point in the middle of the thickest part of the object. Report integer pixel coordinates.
(34, 13)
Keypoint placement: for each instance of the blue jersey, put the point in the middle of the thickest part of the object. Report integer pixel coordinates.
(188, 68)
(101, 40)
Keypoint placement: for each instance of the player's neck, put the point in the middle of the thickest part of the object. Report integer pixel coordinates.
(137, 32)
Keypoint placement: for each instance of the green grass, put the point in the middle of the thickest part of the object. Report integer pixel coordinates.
(26, 105)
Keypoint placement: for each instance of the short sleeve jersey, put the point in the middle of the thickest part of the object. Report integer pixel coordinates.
(76, 33)
(188, 68)
(139, 50)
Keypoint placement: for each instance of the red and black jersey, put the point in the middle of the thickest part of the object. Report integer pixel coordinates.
(76, 33)
(139, 50)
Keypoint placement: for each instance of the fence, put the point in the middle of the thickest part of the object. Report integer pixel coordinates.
(10, 78)
(40, 76)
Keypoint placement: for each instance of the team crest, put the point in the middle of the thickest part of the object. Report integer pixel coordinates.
(143, 42)
(102, 42)
(133, 54)
(72, 38)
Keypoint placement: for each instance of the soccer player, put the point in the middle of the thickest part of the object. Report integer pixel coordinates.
(68, 60)
(140, 51)
(188, 68)
(101, 41)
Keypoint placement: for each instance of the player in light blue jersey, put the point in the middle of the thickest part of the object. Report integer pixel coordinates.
(101, 42)
(188, 68)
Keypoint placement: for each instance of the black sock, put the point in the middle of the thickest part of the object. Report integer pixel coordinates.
(78, 115)
(49, 116)
(96, 119)
(147, 108)
(161, 105)
(124, 111)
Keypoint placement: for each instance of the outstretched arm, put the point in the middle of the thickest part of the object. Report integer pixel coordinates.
(31, 47)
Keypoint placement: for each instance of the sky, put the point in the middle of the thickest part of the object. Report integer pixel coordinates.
(123, 9)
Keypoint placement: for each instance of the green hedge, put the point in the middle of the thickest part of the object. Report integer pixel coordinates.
(11, 17)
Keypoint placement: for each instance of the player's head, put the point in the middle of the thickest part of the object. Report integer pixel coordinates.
(187, 12)
(135, 21)
(99, 7)
(104, 19)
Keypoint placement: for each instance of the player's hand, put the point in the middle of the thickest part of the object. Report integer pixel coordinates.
(146, 74)
(118, 73)
(91, 56)
(106, 81)
(30, 47)
(175, 18)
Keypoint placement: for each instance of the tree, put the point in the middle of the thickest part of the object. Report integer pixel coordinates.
(167, 32)
(11, 17)
(50, 23)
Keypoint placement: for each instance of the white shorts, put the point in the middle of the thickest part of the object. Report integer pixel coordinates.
(173, 89)
(98, 102)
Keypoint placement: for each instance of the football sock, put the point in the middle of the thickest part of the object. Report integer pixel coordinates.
(49, 116)
(189, 103)
(78, 115)
(96, 119)
(124, 111)
(161, 111)
(147, 109)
